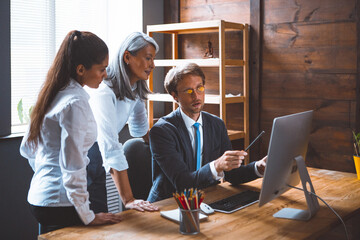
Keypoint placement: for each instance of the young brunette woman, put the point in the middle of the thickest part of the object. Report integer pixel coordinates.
(61, 131)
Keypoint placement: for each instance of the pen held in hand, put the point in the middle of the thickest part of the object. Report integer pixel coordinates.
(254, 140)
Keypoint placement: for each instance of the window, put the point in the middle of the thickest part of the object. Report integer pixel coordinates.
(39, 26)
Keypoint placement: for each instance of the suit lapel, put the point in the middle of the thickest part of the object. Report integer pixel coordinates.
(206, 138)
(185, 138)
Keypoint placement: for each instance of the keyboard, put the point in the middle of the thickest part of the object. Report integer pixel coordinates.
(236, 202)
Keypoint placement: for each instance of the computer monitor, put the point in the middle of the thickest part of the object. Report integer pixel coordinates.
(286, 164)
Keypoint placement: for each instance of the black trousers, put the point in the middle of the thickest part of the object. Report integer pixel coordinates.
(138, 156)
(96, 181)
(53, 218)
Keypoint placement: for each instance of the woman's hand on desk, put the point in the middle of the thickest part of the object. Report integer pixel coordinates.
(141, 205)
(105, 218)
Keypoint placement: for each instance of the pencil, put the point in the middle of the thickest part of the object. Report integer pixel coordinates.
(254, 141)
(190, 214)
(177, 200)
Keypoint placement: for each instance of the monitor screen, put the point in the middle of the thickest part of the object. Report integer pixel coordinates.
(286, 154)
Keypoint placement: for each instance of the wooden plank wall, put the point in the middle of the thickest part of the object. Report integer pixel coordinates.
(309, 54)
(308, 60)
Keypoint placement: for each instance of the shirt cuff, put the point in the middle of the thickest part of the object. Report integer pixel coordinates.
(215, 174)
(86, 215)
(116, 160)
(140, 130)
(257, 172)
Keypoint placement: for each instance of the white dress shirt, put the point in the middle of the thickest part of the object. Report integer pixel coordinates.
(111, 115)
(189, 122)
(59, 162)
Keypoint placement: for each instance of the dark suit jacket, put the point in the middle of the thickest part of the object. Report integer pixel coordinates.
(173, 161)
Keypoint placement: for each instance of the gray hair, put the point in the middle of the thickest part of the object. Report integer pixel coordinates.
(118, 71)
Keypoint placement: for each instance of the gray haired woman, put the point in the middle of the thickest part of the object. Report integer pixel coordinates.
(120, 99)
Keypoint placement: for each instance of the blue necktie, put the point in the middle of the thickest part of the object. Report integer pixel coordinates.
(197, 146)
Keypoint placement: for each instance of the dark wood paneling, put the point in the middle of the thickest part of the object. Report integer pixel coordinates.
(310, 35)
(255, 64)
(330, 143)
(328, 47)
(228, 10)
(327, 112)
(331, 128)
(171, 15)
(325, 144)
(309, 85)
(316, 60)
(304, 55)
(282, 11)
(171, 11)
(310, 52)
(354, 112)
(357, 108)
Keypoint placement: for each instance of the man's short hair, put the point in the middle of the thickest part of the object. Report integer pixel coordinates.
(177, 73)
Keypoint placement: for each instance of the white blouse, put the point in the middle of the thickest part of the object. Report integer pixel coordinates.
(59, 163)
(111, 115)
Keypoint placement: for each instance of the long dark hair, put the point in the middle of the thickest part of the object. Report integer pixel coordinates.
(77, 48)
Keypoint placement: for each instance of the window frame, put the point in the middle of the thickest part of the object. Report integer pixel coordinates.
(153, 15)
(5, 77)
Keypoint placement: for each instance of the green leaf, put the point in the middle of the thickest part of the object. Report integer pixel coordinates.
(357, 142)
(20, 111)
(356, 137)
(26, 118)
(30, 110)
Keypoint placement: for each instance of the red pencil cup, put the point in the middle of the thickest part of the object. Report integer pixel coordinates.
(189, 221)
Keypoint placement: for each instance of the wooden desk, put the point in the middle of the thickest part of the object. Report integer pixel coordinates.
(340, 190)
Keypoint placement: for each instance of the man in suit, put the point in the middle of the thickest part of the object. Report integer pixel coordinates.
(184, 155)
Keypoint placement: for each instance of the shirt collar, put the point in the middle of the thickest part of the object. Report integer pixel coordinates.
(74, 84)
(189, 122)
(134, 87)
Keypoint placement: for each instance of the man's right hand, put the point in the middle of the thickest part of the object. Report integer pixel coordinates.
(105, 218)
(229, 160)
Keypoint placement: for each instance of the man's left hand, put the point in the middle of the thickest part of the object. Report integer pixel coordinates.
(261, 165)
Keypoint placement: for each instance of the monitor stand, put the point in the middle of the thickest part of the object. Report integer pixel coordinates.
(311, 200)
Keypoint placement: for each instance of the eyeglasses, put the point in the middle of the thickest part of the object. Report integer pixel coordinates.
(199, 90)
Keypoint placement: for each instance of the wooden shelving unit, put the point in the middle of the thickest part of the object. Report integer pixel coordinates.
(220, 27)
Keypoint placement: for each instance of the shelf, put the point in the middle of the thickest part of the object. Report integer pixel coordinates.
(221, 99)
(194, 27)
(160, 97)
(233, 134)
(209, 98)
(207, 62)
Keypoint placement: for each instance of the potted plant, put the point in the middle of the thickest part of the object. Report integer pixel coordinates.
(24, 116)
(357, 153)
